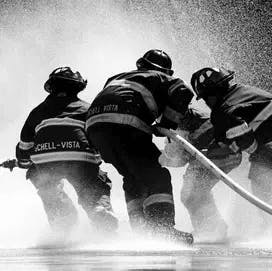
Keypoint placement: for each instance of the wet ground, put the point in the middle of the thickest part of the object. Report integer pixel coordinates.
(198, 258)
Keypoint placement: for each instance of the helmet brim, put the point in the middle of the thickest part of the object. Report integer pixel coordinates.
(47, 86)
(227, 77)
(142, 62)
(48, 83)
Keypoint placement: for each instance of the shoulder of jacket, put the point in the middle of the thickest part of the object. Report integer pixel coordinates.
(114, 77)
(39, 107)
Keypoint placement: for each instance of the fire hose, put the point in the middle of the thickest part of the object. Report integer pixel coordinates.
(216, 170)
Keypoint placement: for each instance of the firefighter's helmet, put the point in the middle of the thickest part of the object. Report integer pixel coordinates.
(207, 81)
(65, 79)
(155, 60)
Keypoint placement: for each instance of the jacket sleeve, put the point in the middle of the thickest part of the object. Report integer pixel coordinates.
(26, 142)
(234, 131)
(178, 99)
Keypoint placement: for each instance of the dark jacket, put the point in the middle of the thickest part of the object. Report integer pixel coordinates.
(138, 98)
(199, 128)
(242, 117)
(54, 131)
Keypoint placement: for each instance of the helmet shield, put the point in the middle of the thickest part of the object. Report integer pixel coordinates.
(205, 82)
(155, 60)
(64, 79)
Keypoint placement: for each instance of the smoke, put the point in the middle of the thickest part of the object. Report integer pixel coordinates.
(101, 38)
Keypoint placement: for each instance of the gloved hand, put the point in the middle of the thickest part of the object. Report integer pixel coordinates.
(156, 131)
(163, 123)
(223, 156)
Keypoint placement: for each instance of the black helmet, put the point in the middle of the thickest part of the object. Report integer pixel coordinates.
(208, 80)
(155, 60)
(63, 78)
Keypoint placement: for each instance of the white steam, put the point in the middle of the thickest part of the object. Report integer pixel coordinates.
(98, 38)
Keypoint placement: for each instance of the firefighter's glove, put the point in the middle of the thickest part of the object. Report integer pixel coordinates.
(163, 123)
(155, 130)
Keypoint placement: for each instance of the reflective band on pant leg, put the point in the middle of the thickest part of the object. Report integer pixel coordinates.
(159, 211)
(158, 198)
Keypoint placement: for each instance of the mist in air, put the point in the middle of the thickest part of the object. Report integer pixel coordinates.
(101, 38)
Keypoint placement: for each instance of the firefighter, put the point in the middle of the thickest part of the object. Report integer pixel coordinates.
(53, 145)
(120, 125)
(198, 181)
(242, 119)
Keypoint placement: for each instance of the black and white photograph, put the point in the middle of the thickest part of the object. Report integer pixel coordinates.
(136, 135)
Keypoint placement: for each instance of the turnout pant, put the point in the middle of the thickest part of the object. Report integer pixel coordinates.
(196, 195)
(147, 185)
(91, 185)
(260, 175)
